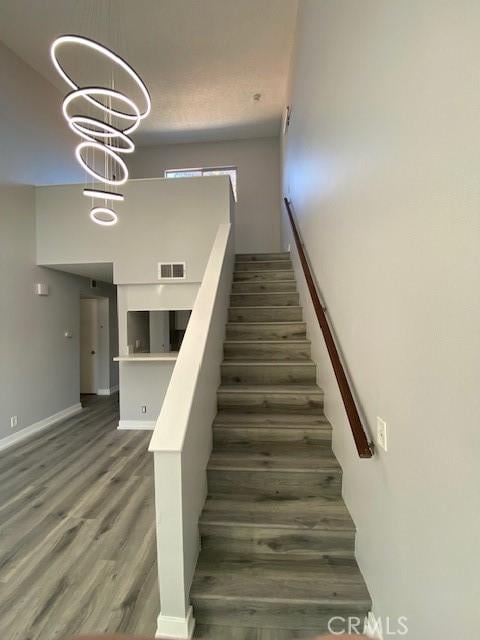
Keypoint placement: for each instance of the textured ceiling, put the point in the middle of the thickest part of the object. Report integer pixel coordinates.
(203, 60)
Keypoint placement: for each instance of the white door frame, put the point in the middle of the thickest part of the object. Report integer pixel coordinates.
(88, 345)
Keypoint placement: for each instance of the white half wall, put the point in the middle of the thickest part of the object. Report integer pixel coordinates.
(159, 221)
(182, 440)
(39, 366)
(382, 166)
(257, 218)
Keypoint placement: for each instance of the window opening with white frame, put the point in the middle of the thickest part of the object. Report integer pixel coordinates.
(209, 171)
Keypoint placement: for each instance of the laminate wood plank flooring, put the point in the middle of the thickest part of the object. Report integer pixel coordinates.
(77, 530)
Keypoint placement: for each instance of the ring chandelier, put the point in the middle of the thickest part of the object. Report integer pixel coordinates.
(98, 135)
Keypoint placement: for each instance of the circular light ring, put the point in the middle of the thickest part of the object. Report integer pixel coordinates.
(86, 92)
(76, 124)
(91, 44)
(103, 195)
(96, 211)
(108, 152)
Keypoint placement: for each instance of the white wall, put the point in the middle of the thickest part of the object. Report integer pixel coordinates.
(39, 367)
(138, 331)
(135, 389)
(258, 182)
(160, 220)
(143, 384)
(37, 145)
(159, 331)
(382, 165)
(107, 342)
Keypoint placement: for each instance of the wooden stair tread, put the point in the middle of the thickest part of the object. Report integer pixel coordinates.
(269, 579)
(269, 322)
(262, 271)
(222, 632)
(262, 293)
(270, 388)
(323, 426)
(265, 282)
(260, 260)
(264, 263)
(279, 421)
(268, 341)
(268, 363)
(262, 257)
(267, 306)
(276, 456)
(304, 514)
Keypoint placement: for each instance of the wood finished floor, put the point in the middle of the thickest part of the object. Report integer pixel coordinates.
(77, 535)
(77, 530)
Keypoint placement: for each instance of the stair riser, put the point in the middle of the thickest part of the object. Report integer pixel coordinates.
(272, 484)
(268, 374)
(271, 402)
(268, 314)
(263, 351)
(261, 287)
(277, 541)
(297, 331)
(255, 257)
(289, 299)
(282, 615)
(244, 435)
(273, 265)
(261, 276)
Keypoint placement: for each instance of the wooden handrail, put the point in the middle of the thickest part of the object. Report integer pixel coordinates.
(363, 447)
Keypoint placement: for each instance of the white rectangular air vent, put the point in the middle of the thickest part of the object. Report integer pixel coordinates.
(171, 270)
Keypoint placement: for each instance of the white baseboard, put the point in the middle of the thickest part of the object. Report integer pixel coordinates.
(107, 392)
(36, 427)
(372, 628)
(181, 628)
(147, 425)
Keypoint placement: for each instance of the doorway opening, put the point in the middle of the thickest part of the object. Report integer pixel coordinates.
(94, 346)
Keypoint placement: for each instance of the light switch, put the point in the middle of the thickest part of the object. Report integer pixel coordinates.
(382, 433)
(41, 289)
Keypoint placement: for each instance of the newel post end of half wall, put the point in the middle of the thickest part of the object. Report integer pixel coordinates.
(170, 627)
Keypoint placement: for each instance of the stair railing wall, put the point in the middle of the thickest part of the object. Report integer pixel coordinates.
(182, 439)
(364, 448)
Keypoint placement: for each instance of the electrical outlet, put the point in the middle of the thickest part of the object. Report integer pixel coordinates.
(13, 421)
(144, 408)
(382, 433)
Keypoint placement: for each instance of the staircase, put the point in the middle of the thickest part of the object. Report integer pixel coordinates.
(277, 540)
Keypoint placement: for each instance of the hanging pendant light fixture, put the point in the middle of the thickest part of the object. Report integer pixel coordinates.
(100, 135)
